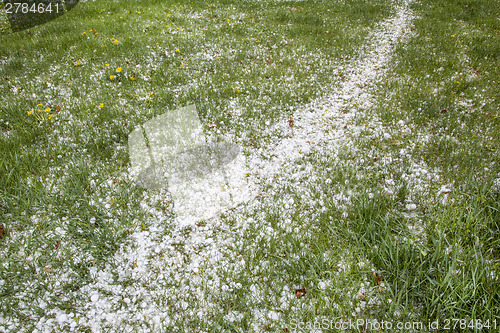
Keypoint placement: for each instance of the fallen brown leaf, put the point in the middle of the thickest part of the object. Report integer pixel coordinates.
(3, 232)
(300, 292)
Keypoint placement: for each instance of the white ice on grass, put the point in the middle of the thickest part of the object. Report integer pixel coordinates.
(162, 274)
(328, 121)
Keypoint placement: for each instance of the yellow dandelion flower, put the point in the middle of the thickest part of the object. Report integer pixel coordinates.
(39, 105)
(50, 117)
(151, 94)
(149, 99)
(138, 12)
(116, 41)
(111, 77)
(101, 105)
(238, 91)
(119, 69)
(177, 50)
(47, 109)
(84, 33)
(182, 65)
(30, 112)
(107, 65)
(453, 35)
(78, 63)
(228, 20)
(132, 78)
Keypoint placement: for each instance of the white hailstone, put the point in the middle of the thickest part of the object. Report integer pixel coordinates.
(411, 206)
(94, 298)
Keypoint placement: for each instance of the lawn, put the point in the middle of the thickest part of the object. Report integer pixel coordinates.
(370, 132)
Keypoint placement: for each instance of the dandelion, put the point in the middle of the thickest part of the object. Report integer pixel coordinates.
(182, 65)
(453, 35)
(107, 65)
(238, 91)
(84, 33)
(39, 105)
(30, 112)
(101, 105)
(119, 69)
(47, 109)
(228, 20)
(50, 117)
(116, 41)
(177, 50)
(111, 77)
(78, 64)
(132, 78)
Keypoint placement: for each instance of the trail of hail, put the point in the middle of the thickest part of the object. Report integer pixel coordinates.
(323, 122)
(163, 265)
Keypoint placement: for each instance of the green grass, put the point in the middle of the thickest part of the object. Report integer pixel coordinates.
(337, 223)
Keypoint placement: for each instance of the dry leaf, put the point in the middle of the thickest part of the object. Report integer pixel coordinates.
(300, 292)
(377, 278)
(3, 232)
(58, 108)
(48, 270)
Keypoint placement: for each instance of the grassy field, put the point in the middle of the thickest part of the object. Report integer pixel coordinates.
(374, 144)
